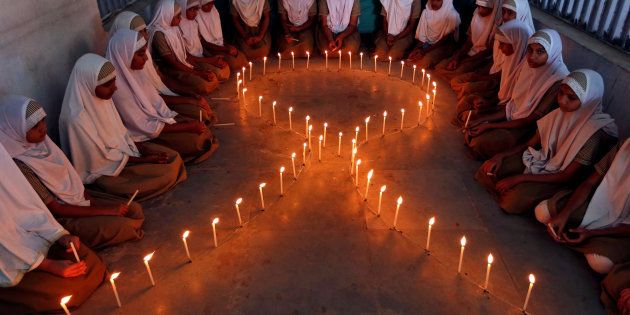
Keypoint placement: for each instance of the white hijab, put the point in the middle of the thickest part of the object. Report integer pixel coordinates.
(515, 33)
(482, 28)
(142, 109)
(27, 228)
(190, 29)
(210, 25)
(339, 13)
(610, 205)
(123, 22)
(250, 11)
(435, 24)
(563, 134)
(523, 14)
(532, 83)
(165, 11)
(297, 10)
(90, 129)
(398, 13)
(44, 158)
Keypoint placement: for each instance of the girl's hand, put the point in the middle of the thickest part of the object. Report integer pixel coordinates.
(67, 239)
(558, 224)
(492, 165)
(63, 268)
(507, 183)
(582, 235)
(156, 158)
(478, 129)
(119, 210)
(197, 127)
(232, 50)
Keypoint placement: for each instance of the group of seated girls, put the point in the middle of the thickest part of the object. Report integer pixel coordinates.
(129, 122)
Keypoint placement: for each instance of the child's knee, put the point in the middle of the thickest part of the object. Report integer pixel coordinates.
(542, 212)
(600, 264)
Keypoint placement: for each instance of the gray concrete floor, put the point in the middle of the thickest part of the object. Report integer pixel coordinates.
(321, 248)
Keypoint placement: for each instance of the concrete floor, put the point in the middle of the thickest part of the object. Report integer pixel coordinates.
(321, 248)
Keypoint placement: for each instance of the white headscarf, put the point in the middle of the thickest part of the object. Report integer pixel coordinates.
(250, 11)
(481, 28)
(142, 109)
(610, 205)
(27, 228)
(563, 134)
(190, 29)
(210, 25)
(523, 14)
(515, 33)
(162, 23)
(435, 24)
(339, 13)
(90, 129)
(297, 10)
(123, 22)
(44, 158)
(532, 83)
(398, 13)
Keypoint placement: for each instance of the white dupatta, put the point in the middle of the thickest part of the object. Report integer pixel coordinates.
(523, 14)
(166, 10)
(250, 11)
(339, 14)
(435, 24)
(398, 13)
(210, 25)
(516, 34)
(297, 10)
(190, 29)
(482, 28)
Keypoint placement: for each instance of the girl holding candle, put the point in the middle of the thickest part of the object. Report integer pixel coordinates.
(567, 143)
(338, 27)
(399, 19)
(298, 22)
(594, 219)
(437, 33)
(251, 21)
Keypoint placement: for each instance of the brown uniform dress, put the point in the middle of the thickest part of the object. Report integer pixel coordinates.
(259, 50)
(40, 291)
(615, 282)
(306, 39)
(350, 43)
(479, 82)
(401, 45)
(186, 82)
(524, 197)
(468, 64)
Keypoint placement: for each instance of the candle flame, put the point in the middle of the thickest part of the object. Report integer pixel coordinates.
(215, 221)
(308, 53)
(243, 70)
(383, 188)
(428, 75)
(185, 235)
(273, 104)
(356, 128)
(240, 81)
(325, 124)
(490, 259)
(293, 155)
(370, 173)
(114, 276)
(414, 66)
(238, 74)
(260, 98)
(244, 90)
(390, 58)
(326, 52)
(423, 70)
(279, 55)
(262, 185)
(340, 133)
(239, 200)
(321, 137)
(65, 300)
(402, 111)
(402, 62)
(250, 63)
(375, 56)
(304, 144)
(308, 117)
(532, 279)
(291, 53)
(420, 103)
(428, 97)
(265, 58)
(431, 221)
(354, 151)
(282, 169)
(434, 90)
(400, 200)
(339, 52)
(148, 257)
(367, 119)
(310, 127)
(385, 114)
(358, 162)
(349, 53)
(361, 53)
(463, 241)
(434, 84)
(291, 109)
(354, 140)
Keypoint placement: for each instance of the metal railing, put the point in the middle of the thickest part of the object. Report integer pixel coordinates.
(109, 7)
(608, 20)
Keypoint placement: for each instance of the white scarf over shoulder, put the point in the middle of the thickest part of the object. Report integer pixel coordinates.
(339, 14)
(164, 13)
(398, 13)
(532, 83)
(435, 24)
(190, 29)
(250, 11)
(563, 134)
(123, 22)
(141, 108)
(27, 228)
(481, 28)
(516, 34)
(210, 25)
(523, 14)
(610, 205)
(297, 10)
(90, 129)
(44, 158)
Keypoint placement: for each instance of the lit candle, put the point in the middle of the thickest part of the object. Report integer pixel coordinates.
(273, 108)
(290, 120)
(428, 99)
(413, 77)
(532, 280)
(112, 280)
(356, 133)
(428, 81)
(260, 106)
(262, 197)
(264, 65)
(467, 119)
(304, 153)
(434, 96)
(310, 143)
(308, 59)
(74, 251)
(244, 90)
(354, 143)
(384, 118)
(490, 260)
(319, 153)
(367, 186)
(281, 181)
(380, 200)
(133, 197)
(200, 116)
(292, 61)
(215, 221)
(339, 146)
(238, 211)
(402, 118)
(431, 222)
(367, 120)
(361, 55)
(389, 71)
(184, 239)
(356, 172)
(354, 154)
(146, 264)
(398, 203)
(326, 53)
(238, 82)
(350, 60)
(462, 242)
(325, 132)
(279, 61)
(422, 83)
(339, 59)
(250, 70)
(419, 112)
(402, 68)
(243, 76)
(306, 126)
(375, 58)
(63, 302)
(293, 164)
